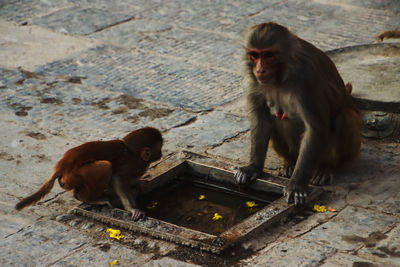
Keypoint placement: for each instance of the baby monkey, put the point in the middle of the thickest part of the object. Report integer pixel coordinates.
(101, 171)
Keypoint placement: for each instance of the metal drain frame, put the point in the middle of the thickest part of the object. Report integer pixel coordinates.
(196, 239)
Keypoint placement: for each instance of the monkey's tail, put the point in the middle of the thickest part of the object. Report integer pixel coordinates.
(388, 35)
(43, 190)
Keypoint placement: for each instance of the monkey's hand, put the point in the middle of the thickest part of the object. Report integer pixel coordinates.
(247, 174)
(137, 214)
(296, 193)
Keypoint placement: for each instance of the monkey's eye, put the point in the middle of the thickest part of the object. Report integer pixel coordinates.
(268, 54)
(254, 55)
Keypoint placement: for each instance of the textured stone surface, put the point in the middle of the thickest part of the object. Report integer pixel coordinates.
(295, 252)
(148, 77)
(385, 251)
(31, 46)
(64, 107)
(204, 49)
(95, 256)
(346, 260)
(85, 20)
(47, 242)
(346, 230)
(175, 65)
(207, 130)
(168, 262)
(238, 150)
(23, 11)
(381, 194)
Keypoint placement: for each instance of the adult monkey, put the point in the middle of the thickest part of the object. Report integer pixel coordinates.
(297, 99)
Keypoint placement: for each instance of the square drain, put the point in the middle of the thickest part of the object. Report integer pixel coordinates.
(201, 206)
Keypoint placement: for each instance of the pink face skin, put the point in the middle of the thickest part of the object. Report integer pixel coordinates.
(263, 62)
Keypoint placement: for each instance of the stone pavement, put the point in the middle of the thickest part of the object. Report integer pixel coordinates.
(74, 71)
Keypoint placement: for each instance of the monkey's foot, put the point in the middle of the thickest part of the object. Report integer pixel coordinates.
(246, 174)
(137, 214)
(296, 194)
(322, 177)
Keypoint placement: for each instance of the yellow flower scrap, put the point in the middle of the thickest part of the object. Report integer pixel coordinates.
(319, 208)
(216, 217)
(251, 204)
(114, 262)
(201, 197)
(115, 233)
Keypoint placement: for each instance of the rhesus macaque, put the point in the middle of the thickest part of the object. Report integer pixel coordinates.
(98, 172)
(388, 35)
(298, 101)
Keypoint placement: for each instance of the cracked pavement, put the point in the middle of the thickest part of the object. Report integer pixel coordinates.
(76, 71)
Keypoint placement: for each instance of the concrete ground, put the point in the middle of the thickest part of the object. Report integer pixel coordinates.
(76, 71)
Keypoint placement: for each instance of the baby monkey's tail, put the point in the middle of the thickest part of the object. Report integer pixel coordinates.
(43, 190)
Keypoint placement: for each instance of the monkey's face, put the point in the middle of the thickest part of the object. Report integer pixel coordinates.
(150, 154)
(263, 63)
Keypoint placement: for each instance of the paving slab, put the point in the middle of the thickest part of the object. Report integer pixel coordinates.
(49, 243)
(350, 223)
(206, 49)
(370, 164)
(347, 260)
(238, 150)
(385, 5)
(201, 15)
(40, 242)
(95, 255)
(385, 251)
(31, 46)
(11, 223)
(295, 252)
(380, 194)
(206, 131)
(21, 11)
(152, 78)
(62, 105)
(84, 20)
(168, 262)
(173, 65)
(327, 25)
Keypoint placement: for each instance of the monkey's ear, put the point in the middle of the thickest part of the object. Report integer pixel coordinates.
(145, 153)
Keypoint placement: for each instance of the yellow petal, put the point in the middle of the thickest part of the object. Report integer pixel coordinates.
(202, 197)
(216, 217)
(319, 208)
(114, 262)
(113, 231)
(251, 204)
(116, 236)
(119, 237)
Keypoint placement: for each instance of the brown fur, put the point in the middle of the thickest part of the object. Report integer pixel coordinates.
(388, 35)
(321, 127)
(94, 169)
